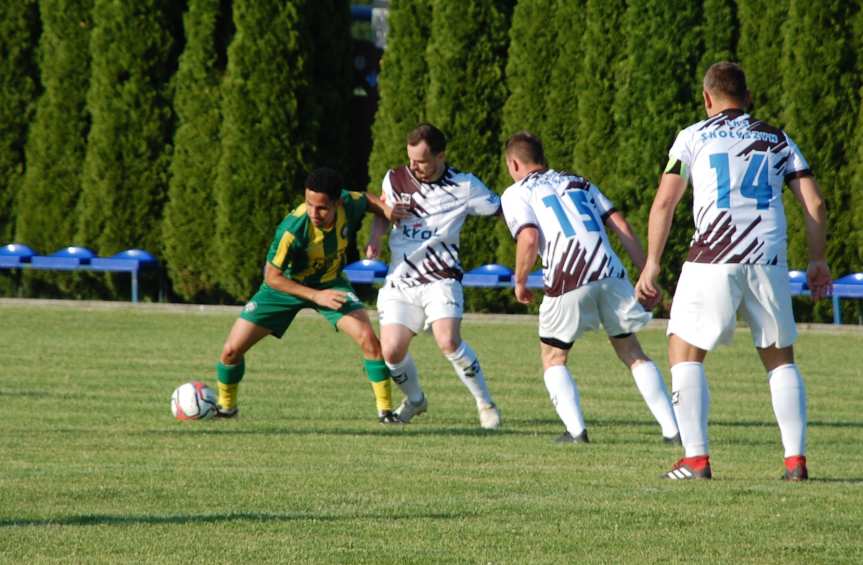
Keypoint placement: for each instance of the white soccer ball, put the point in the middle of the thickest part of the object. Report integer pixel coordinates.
(193, 401)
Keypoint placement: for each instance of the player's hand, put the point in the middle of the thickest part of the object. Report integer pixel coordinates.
(399, 211)
(329, 298)
(647, 291)
(523, 294)
(819, 280)
(373, 250)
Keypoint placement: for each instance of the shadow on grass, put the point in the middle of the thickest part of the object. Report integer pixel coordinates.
(770, 423)
(191, 519)
(352, 432)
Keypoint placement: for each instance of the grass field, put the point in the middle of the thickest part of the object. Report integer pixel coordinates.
(95, 470)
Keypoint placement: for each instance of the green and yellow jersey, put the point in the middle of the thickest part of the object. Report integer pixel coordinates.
(313, 256)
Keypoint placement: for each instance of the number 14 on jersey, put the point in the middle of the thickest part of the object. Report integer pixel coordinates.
(755, 183)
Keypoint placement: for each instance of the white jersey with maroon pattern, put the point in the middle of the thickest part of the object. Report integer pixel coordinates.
(570, 213)
(424, 246)
(738, 166)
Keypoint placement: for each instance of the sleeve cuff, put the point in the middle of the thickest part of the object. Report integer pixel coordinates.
(798, 175)
(605, 216)
(524, 226)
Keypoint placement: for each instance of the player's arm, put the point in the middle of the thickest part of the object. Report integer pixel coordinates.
(384, 215)
(482, 201)
(527, 245)
(378, 206)
(327, 298)
(618, 224)
(671, 189)
(807, 192)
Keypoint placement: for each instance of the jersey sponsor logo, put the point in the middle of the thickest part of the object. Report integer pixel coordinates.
(250, 306)
(416, 231)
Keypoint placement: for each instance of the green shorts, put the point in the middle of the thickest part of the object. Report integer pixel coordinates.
(276, 310)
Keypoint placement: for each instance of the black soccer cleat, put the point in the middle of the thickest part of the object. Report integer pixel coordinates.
(222, 413)
(387, 417)
(567, 437)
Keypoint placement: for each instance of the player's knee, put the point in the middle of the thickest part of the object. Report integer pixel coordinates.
(448, 344)
(231, 355)
(369, 343)
(628, 349)
(393, 351)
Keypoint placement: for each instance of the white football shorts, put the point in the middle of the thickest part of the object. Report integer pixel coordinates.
(708, 296)
(609, 301)
(417, 307)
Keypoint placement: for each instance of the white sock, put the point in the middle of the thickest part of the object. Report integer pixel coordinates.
(467, 367)
(649, 381)
(564, 395)
(691, 399)
(789, 405)
(404, 374)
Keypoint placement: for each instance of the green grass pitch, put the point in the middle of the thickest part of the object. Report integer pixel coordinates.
(95, 469)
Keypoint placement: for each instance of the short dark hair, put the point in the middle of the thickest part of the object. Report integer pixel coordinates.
(526, 147)
(434, 137)
(325, 180)
(726, 80)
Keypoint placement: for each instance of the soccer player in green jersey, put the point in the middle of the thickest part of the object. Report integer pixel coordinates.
(304, 270)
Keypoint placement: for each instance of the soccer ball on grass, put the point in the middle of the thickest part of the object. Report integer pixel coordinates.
(193, 401)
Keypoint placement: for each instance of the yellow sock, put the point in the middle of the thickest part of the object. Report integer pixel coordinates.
(383, 395)
(228, 395)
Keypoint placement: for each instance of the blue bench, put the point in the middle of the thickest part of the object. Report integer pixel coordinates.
(849, 286)
(368, 271)
(500, 276)
(74, 258)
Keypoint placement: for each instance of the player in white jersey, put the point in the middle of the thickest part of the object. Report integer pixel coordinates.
(563, 217)
(423, 287)
(736, 261)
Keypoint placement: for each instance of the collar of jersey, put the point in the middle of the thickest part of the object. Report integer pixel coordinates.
(439, 182)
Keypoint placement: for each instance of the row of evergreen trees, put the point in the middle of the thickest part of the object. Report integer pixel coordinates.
(608, 84)
(183, 129)
(186, 129)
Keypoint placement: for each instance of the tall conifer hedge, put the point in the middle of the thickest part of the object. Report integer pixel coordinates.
(655, 99)
(134, 50)
(531, 39)
(719, 33)
(595, 150)
(328, 32)
(262, 160)
(561, 128)
(466, 56)
(821, 102)
(190, 212)
(759, 51)
(19, 88)
(57, 141)
(402, 83)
